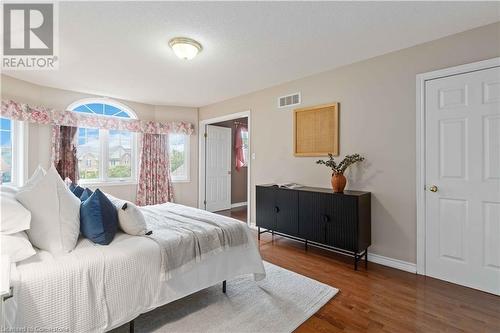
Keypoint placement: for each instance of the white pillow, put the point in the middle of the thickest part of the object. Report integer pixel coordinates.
(130, 217)
(17, 246)
(9, 189)
(14, 217)
(37, 175)
(55, 213)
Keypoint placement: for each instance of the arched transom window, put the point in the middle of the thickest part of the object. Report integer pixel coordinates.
(105, 156)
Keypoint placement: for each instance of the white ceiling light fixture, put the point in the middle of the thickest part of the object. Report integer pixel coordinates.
(185, 48)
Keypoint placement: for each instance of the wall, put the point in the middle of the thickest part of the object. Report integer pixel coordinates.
(377, 119)
(238, 177)
(39, 146)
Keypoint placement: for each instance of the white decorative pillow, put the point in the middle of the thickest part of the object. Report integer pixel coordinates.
(14, 217)
(17, 246)
(130, 217)
(37, 175)
(55, 213)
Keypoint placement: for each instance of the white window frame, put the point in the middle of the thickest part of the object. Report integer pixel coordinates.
(187, 155)
(104, 179)
(19, 141)
(102, 100)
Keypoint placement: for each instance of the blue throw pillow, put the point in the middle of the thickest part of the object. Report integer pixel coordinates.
(98, 218)
(86, 194)
(78, 190)
(72, 187)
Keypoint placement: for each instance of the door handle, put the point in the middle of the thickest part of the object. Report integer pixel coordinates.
(433, 188)
(326, 218)
(276, 209)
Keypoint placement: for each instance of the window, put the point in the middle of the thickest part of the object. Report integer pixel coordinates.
(105, 155)
(246, 150)
(179, 156)
(12, 151)
(6, 147)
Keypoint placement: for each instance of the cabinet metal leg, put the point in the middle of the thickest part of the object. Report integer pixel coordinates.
(258, 233)
(224, 286)
(306, 244)
(131, 327)
(366, 259)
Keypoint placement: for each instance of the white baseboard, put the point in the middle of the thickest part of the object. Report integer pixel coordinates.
(391, 262)
(238, 204)
(381, 260)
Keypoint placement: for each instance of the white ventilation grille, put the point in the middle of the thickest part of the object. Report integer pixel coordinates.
(289, 100)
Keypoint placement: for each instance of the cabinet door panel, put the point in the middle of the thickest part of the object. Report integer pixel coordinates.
(287, 219)
(341, 225)
(311, 225)
(265, 199)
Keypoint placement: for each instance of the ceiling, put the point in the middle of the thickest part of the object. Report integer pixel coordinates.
(119, 49)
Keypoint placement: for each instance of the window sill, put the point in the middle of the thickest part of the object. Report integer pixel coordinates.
(103, 184)
(181, 181)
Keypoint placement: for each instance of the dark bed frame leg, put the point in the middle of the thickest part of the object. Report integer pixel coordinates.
(224, 286)
(131, 327)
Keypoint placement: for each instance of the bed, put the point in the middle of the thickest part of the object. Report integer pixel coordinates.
(96, 288)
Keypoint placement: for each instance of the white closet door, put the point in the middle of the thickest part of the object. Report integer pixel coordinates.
(218, 168)
(463, 179)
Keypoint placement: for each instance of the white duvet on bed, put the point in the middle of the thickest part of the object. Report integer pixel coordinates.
(96, 288)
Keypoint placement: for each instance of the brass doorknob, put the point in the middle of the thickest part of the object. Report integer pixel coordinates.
(433, 188)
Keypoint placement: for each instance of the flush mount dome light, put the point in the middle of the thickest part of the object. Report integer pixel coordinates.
(185, 48)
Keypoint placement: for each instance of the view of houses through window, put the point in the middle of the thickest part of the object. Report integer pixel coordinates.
(110, 155)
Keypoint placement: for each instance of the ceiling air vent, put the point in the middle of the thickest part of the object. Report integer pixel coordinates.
(289, 100)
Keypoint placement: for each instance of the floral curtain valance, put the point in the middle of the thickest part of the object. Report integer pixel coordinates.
(24, 112)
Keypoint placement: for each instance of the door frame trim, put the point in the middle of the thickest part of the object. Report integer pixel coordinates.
(420, 142)
(201, 155)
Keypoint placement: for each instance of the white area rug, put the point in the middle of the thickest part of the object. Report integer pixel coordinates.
(280, 303)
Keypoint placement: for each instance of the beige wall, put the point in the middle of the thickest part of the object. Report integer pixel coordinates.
(377, 119)
(40, 135)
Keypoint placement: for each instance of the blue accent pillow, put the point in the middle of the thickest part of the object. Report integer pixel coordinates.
(98, 218)
(72, 187)
(78, 190)
(86, 194)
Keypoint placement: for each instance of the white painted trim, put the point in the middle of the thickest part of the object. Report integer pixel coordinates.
(239, 204)
(420, 139)
(391, 262)
(201, 156)
(103, 100)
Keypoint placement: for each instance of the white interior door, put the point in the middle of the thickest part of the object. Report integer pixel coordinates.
(462, 115)
(218, 168)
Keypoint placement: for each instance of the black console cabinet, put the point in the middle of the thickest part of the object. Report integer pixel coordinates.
(337, 221)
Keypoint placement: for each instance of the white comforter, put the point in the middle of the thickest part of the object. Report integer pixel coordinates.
(96, 288)
(188, 235)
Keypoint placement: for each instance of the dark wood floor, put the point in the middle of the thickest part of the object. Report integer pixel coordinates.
(239, 213)
(383, 299)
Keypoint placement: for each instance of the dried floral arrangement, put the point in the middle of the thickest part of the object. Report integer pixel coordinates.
(341, 167)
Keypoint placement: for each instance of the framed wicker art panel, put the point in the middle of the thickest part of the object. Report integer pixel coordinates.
(316, 130)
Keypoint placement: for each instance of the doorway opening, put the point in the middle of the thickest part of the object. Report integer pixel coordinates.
(225, 166)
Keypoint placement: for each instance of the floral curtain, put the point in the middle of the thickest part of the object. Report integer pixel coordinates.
(23, 112)
(238, 147)
(64, 151)
(154, 183)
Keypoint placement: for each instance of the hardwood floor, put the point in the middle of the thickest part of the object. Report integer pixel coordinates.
(383, 299)
(239, 213)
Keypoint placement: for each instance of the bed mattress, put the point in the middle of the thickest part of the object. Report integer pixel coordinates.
(96, 288)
